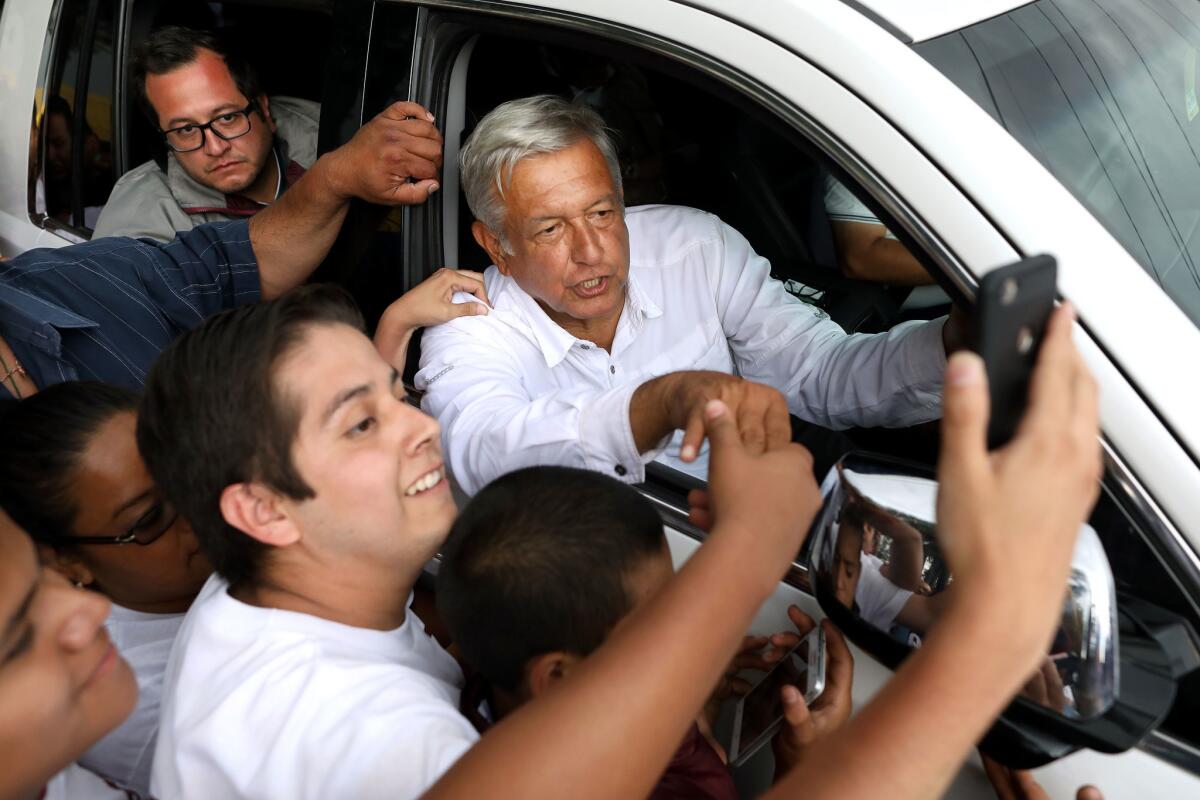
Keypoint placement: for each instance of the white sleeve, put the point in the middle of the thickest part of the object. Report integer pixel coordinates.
(492, 425)
(832, 378)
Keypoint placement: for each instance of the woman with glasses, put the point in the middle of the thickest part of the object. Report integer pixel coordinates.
(71, 476)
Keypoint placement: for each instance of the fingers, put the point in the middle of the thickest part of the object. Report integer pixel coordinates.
(1050, 386)
(1088, 792)
(839, 671)
(413, 193)
(752, 426)
(1001, 779)
(404, 109)
(803, 622)
(778, 423)
(1026, 787)
(964, 417)
(715, 421)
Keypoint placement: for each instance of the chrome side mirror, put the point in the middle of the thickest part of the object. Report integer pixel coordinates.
(878, 572)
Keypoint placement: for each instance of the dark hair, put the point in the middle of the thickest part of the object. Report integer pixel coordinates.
(44, 437)
(212, 416)
(173, 46)
(537, 562)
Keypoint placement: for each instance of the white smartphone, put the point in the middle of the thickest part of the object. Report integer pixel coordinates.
(759, 713)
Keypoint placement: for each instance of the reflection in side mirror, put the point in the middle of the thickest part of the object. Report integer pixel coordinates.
(874, 553)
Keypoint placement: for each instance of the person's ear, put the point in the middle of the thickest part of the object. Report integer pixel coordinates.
(264, 105)
(69, 566)
(549, 669)
(257, 512)
(491, 243)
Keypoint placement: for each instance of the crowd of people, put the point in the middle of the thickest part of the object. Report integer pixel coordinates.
(219, 500)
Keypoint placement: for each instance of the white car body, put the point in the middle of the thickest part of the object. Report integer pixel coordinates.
(968, 191)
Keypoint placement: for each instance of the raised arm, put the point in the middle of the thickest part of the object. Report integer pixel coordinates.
(1012, 518)
(293, 235)
(610, 731)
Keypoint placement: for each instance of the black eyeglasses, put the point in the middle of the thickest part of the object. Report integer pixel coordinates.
(229, 125)
(147, 530)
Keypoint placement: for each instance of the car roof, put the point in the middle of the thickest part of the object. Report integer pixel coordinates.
(919, 20)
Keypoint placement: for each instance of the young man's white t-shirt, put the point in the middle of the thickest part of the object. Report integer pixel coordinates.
(878, 599)
(77, 783)
(265, 703)
(144, 640)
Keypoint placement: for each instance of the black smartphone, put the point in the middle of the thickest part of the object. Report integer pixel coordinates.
(1011, 313)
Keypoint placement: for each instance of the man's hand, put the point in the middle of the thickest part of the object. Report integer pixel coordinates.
(677, 401)
(766, 499)
(1019, 784)
(431, 302)
(1010, 518)
(392, 160)
(806, 724)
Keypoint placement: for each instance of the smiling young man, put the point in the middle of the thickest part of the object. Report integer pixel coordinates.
(231, 150)
(319, 495)
(613, 327)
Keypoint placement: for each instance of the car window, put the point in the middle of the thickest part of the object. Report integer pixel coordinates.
(1140, 571)
(75, 113)
(1104, 94)
(370, 256)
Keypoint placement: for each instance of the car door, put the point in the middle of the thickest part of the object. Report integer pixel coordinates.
(825, 76)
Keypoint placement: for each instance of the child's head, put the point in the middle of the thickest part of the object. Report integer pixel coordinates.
(539, 568)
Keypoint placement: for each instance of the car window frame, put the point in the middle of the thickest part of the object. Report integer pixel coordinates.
(1173, 550)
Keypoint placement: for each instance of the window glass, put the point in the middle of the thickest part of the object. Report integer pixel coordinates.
(1139, 572)
(369, 256)
(76, 117)
(1103, 93)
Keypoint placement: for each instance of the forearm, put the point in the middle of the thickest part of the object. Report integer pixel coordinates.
(611, 730)
(392, 344)
(293, 235)
(492, 427)
(867, 254)
(912, 738)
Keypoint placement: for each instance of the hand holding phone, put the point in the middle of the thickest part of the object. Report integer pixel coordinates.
(1012, 310)
(758, 715)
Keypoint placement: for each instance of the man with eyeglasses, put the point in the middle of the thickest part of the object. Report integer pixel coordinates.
(104, 310)
(231, 150)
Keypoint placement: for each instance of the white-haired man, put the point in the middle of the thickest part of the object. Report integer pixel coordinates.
(611, 328)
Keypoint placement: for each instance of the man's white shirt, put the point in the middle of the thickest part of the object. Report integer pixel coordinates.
(513, 389)
(266, 703)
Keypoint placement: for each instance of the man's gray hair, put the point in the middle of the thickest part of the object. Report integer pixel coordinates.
(516, 130)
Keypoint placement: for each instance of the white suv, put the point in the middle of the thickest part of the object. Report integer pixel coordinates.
(977, 132)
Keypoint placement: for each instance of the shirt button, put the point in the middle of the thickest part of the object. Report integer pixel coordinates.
(612, 368)
(620, 469)
(586, 346)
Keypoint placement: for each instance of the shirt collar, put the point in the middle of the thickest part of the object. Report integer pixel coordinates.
(35, 320)
(555, 342)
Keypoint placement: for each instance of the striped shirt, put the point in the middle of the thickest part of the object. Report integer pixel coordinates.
(105, 309)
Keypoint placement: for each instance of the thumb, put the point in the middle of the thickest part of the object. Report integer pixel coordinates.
(468, 309)
(964, 415)
(795, 713)
(720, 426)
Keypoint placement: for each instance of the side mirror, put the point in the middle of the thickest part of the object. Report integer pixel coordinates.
(878, 573)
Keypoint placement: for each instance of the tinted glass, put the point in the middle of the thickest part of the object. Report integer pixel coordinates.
(76, 120)
(1103, 93)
